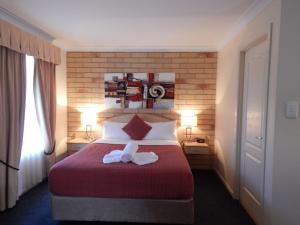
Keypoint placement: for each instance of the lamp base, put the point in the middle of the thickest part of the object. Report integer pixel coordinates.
(188, 133)
(88, 132)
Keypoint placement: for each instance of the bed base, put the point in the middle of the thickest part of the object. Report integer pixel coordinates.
(123, 210)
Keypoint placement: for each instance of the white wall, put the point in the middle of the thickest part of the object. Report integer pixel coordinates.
(61, 108)
(282, 199)
(286, 178)
(228, 78)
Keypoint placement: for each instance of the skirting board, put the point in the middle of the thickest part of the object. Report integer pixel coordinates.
(232, 193)
(123, 210)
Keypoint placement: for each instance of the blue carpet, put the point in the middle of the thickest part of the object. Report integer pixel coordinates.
(213, 206)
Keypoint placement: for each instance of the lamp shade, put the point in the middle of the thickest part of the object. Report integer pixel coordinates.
(88, 118)
(188, 120)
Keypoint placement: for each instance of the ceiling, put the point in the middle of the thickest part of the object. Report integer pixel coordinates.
(170, 25)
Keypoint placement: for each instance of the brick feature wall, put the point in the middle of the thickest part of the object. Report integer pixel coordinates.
(195, 84)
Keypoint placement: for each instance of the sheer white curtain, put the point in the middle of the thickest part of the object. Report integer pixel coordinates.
(32, 164)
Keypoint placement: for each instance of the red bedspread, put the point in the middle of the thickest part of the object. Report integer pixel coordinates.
(83, 174)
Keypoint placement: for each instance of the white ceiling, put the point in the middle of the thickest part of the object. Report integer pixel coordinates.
(170, 25)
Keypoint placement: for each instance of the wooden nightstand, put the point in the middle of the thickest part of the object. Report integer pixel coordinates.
(198, 155)
(76, 144)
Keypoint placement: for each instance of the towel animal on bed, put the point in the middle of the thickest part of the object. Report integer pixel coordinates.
(130, 154)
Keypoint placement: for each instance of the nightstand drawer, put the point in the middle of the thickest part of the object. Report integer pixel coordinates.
(75, 145)
(196, 150)
(198, 155)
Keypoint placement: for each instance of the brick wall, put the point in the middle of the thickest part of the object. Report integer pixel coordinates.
(195, 86)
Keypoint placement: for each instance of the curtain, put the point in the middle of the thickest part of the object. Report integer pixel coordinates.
(45, 101)
(12, 112)
(18, 40)
(32, 165)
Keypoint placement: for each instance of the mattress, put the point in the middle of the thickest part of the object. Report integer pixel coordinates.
(84, 175)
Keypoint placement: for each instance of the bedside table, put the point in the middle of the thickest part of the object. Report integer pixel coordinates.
(198, 155)
(74, 145)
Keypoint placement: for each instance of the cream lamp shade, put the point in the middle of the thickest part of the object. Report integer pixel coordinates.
(189, 120)
(88, 118)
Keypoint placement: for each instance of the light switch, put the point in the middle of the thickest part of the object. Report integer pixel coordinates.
(291, 110)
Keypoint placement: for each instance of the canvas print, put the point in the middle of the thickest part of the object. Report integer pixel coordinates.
(139, 90)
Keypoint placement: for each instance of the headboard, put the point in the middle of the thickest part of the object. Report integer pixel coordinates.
(149, 117)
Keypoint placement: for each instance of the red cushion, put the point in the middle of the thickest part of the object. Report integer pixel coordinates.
(136, 128)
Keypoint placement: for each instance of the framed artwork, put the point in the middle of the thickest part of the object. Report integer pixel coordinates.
(139, 90)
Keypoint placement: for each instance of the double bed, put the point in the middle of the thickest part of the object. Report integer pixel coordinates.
(84, 188)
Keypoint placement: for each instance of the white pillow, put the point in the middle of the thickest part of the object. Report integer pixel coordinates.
(162, 131)
(113, 130)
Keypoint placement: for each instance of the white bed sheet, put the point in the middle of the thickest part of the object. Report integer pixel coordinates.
(138, 142)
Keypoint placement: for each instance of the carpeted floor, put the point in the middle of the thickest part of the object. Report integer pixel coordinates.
(213, 206)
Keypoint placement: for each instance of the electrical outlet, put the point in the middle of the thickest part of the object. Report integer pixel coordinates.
(291, 110)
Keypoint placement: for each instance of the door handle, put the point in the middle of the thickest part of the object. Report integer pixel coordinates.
(259, 137)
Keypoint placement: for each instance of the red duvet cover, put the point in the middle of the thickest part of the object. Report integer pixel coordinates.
(84, 175)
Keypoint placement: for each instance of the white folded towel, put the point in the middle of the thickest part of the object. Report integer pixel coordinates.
(113, 156)
(130, 154)
(129, 151)
(144, 158)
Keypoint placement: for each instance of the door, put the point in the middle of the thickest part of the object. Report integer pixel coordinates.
(256, 72)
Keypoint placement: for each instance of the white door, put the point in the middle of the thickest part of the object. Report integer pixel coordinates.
(254, 130)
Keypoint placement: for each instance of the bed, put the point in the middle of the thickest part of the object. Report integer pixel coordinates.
(85, 189)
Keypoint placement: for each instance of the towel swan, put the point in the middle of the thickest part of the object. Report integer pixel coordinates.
(130, 154)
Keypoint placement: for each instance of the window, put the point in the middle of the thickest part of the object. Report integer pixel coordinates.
(32, 164)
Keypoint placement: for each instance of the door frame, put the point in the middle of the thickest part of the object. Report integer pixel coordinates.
(267, 36)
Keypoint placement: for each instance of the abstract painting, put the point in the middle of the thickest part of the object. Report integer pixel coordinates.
(139, 90)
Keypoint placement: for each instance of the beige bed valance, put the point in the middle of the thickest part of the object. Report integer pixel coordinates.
(18, 40)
